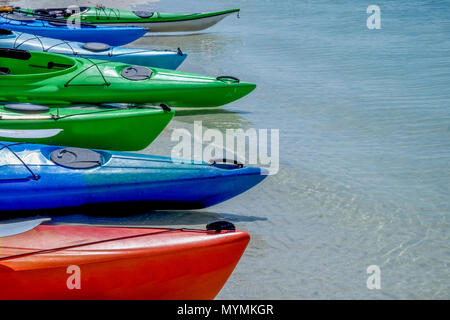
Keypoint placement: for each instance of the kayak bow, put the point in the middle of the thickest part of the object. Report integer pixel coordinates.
(117, 262)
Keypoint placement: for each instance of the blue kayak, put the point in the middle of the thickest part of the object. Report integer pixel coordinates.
(36, 176)
(114, 36)
(92, 50)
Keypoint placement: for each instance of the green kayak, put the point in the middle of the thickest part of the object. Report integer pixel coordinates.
(111, 128)
(154, 21)
(52, 79)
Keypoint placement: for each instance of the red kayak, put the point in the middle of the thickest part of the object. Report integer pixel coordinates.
(85, 262)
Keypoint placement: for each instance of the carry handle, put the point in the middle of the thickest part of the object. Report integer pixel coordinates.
(226, 161)
(228, 78)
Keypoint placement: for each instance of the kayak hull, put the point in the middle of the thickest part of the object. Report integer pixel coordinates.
(155, 182)
(114, 36)
(174, 26)
(150, 264)
(86, 127)
(152, 58)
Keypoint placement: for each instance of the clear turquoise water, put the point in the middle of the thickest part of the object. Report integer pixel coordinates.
(364, 143)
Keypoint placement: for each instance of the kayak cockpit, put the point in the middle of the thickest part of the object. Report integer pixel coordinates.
(5, 32)
(15, 62)
(59, 12)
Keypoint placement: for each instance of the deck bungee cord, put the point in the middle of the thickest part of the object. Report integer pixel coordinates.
(94, 64)
(18, 43)
(100, 9)
(115, 13)
(34, 176)
(38, 38)
(88, 244)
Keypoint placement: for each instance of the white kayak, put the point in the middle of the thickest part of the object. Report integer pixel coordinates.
(153, 21)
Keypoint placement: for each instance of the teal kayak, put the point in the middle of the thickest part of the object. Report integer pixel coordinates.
(165, 59)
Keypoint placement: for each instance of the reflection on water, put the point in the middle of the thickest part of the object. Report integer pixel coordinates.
(218, 118)
(197, 112)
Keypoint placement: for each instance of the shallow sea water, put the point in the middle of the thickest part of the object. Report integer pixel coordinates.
(364, 143)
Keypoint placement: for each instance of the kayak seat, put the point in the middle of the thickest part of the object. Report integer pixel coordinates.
(4, 71)
(76, 158)
(144, 14)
